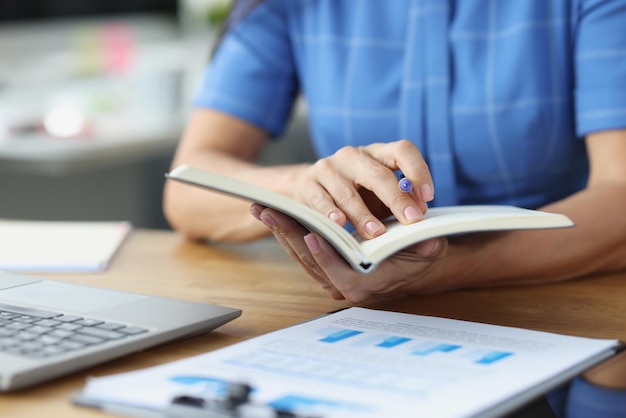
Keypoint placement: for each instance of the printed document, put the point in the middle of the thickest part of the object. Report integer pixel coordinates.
(368, 363)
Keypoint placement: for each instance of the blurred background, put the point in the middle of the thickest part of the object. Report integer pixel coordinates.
(93, 99)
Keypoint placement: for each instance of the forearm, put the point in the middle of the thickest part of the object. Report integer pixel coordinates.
(596, 244)
(222, 144)
(201, 214)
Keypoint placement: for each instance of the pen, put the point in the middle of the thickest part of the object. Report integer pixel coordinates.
(405, 185)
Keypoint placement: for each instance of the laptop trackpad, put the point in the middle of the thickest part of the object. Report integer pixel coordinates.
(66, 297)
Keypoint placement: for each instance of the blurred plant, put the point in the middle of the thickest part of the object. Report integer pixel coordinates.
(218, 11)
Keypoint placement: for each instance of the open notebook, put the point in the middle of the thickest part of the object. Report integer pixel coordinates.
(51, 328)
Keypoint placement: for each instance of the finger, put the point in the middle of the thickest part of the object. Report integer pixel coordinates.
(336, 183)
(404, 155)
(395, 276)
(311, 240)
(255, 210)
(349, 283)
(432, 248)
(316, 196)
(290, 234)
(340, 185)
(383, 183)
(373, 168)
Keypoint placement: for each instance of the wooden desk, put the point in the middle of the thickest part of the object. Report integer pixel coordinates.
(274, 293)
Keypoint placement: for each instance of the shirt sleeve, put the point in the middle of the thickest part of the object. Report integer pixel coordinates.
(251, 76)
(600, 65)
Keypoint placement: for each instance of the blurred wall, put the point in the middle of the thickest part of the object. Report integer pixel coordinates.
(97, 178)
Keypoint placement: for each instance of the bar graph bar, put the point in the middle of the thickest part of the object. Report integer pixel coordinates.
(428, 348)
(493, 356)
(393, 342)
(340, 335)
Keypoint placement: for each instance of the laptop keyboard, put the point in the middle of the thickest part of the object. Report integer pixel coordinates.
(36, 333)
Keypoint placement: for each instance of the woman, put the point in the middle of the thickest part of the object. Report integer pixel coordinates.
(501, 102)
(494, 102)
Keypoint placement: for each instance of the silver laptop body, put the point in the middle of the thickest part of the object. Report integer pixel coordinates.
(51, 328)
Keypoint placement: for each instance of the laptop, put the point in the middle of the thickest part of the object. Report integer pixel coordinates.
(51, 328)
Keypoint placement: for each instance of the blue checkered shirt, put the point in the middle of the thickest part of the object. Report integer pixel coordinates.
(497, 94)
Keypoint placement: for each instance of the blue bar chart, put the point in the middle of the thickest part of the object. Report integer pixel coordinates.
(413, 347)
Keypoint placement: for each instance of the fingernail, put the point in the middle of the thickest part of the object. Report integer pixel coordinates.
(372, 228)
(311, 242)
(412, 214)
(255, 212)
(334, 216)
(427, 192)
(268, 220)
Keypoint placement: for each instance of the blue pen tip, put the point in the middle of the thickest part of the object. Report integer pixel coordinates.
(405, 185)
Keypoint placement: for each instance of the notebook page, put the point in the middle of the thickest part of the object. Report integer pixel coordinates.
(59, 246)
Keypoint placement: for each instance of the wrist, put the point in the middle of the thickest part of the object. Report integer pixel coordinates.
(287, 178)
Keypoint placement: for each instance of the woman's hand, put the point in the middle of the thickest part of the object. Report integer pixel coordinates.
(359, 185)
(396, 276)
